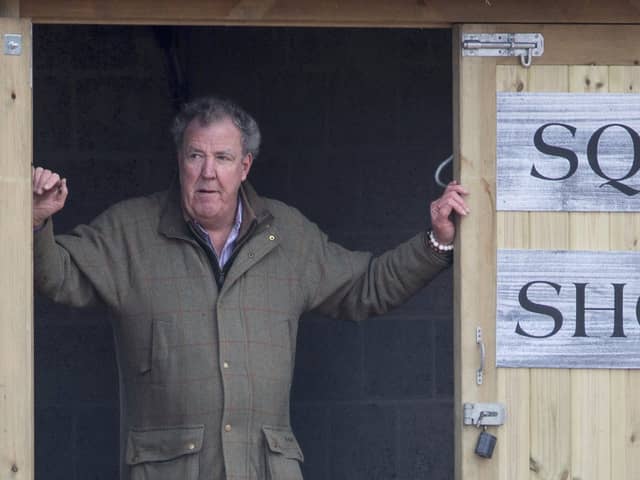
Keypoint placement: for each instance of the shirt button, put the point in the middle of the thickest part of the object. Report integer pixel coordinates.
(225, 365)
(227, 428)
(191, 446)
(272, 237)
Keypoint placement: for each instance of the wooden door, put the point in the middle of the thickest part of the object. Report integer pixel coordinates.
(562, 424)
(16, 278)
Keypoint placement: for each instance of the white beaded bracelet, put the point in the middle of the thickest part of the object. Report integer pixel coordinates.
(436, 245)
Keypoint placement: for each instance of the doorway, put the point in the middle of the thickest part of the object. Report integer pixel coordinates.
(354, 121)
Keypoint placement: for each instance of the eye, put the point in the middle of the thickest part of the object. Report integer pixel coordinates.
(194, 156)
(223, 157)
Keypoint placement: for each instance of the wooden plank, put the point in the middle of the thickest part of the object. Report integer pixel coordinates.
(590, 442)
(513, 384)
(534, 176)
(550, 419)
(16, 293)
(10, 8)
(322, 12)
(474, 166)
(625, 385)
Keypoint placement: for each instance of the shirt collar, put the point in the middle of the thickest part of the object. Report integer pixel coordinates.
(235, 229)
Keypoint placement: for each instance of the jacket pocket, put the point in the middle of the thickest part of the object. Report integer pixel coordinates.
(283, 454)
(165, 453)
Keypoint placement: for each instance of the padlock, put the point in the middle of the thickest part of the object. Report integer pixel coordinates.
(486, 444)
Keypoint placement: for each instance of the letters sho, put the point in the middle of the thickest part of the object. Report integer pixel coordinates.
(581, 308)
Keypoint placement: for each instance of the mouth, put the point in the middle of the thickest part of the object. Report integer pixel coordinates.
(206, 191)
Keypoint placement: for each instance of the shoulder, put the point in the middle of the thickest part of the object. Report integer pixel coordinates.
(134, 211)
(286, 216)
(297, 233)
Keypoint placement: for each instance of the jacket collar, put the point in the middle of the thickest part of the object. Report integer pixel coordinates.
(173, 224)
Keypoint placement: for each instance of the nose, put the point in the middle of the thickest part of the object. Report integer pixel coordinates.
(209, 168)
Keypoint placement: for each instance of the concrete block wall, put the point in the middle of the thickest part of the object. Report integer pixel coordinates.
(354, 121)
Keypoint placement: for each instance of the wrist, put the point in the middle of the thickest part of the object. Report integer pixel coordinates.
(437, 246)
(37, 226)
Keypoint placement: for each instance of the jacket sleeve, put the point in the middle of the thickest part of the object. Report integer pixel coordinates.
(81, 268)
(356, 285)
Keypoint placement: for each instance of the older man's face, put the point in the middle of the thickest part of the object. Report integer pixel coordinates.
(212, 167)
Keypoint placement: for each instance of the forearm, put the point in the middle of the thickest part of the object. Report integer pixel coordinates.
(56, 276)
(386, 281)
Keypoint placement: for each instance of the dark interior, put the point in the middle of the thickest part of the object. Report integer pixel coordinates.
(355, 123)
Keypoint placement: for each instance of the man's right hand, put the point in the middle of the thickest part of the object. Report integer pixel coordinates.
(49, 194)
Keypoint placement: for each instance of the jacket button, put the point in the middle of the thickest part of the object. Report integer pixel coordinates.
(272, 237)
(191, 446)
(251, 254)
(225, 365)
(227, 428)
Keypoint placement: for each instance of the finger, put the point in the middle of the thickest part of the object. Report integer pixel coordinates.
(40, 182)
(440, 214)
(435, 209)
(51, 182)
(460, 207)
(457, 197)
(454, 187)
(37, 174)
(451, 204)
(41, 177)
(63, 191)
(45, 181)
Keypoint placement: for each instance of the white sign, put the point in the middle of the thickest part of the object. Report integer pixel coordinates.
(568, 152)
(568, 309)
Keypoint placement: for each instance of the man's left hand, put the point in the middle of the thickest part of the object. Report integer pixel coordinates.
(444, 209)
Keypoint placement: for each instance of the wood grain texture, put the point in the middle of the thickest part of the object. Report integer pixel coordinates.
(16, 293)
(474, 295)
(577, 418)
(555, 343)
(513, 231)
(324, 12)
(590, 389)
(625, 385)
(10, 8)
(602, 180)
(550, 419)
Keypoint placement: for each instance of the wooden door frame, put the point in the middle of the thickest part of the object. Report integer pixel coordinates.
(16, 285)
(345, 13)
(288, 13)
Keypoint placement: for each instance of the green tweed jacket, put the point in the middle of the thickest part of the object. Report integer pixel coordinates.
(205, 375)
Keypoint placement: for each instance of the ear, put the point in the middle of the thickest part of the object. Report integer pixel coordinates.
(247, 161)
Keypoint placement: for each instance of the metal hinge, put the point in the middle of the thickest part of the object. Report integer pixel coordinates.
(12, 44)
(523, 45)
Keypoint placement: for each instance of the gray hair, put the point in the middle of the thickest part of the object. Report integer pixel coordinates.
(209, 110)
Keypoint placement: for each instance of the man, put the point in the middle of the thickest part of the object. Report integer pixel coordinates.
(207, 282)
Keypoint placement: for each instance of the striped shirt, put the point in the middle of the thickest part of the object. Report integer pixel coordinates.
(229, 245)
